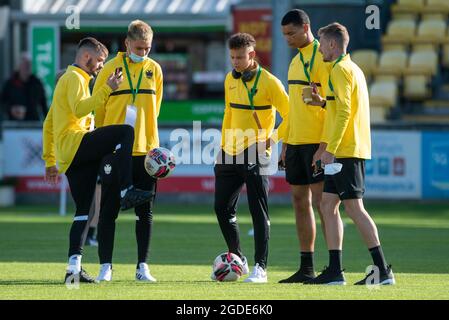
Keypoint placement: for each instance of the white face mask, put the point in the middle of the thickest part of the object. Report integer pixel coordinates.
(136, 58)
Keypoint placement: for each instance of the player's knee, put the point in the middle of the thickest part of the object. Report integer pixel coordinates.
(109, 170)
(353, 208)
(316, 203)
(128, 131)
(327, 208)
(301, 202)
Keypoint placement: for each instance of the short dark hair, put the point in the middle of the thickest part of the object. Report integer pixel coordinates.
(92, 44)
(297, 17)
(241, 40)
(336, 31)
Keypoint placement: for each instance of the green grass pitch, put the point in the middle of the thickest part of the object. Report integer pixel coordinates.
(186, 239)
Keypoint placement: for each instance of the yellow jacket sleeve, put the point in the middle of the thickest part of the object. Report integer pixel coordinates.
(48, 148)
(226, 117)
(100, 111)
(159, 89)
(279, 99)
(342, 84)
(82, 103)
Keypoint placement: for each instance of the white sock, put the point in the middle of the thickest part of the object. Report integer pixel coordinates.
(75, 263)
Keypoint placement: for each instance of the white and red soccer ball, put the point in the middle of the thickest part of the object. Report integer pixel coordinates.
(227, 267)
(160, 163)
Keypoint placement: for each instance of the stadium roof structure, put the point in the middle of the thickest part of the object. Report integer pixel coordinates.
(117, 12)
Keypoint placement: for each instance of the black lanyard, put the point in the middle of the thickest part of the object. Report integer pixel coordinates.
(330, 82)
(134, 92)
(308, 71)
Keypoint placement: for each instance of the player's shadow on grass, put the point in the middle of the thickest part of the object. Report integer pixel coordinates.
(30, 282)
(418, 249)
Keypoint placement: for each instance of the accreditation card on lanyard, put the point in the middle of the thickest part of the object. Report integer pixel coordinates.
(131, 109)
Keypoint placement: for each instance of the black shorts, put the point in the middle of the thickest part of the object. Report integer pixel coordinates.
(298, 165)
(349, 183)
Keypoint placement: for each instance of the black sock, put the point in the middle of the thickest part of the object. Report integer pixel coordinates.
(106, 237)
(379, 259)
(306, 262)
(143, 236)
(335, 258)
(76, 237)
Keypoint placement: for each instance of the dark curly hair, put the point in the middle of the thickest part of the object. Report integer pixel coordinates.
(241, 40)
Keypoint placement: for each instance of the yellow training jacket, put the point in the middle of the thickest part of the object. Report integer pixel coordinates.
(306, 121)
(348, 120)
(148, 101)
(238, 116)
(66, 121)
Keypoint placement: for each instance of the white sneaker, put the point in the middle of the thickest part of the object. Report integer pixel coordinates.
(105, 272)
(143, 273)
(245, 265)
(259, 275)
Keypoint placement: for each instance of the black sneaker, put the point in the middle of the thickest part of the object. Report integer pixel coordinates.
(299, 276)
(134, 197)
(329, 277)
(83, 277)
(384, 279)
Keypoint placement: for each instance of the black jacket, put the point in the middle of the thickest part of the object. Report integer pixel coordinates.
(30, 94)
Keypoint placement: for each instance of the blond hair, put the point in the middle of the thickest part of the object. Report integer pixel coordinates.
(139, 30)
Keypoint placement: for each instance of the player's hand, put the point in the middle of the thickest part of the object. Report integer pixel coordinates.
(281, 163)
(327, 158)
(317, 100)
(51, 175)
(270, 142)
(283, 153)
(318, 153)
(18, 112)
(316, 158)
(115, 80)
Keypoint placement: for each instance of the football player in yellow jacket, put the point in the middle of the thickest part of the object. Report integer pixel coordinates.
(347, 134)
(304, 143)
(137, 102)
(252, 97)
(69, 147)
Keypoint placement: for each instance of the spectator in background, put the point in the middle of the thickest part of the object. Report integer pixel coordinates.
(23, 95)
